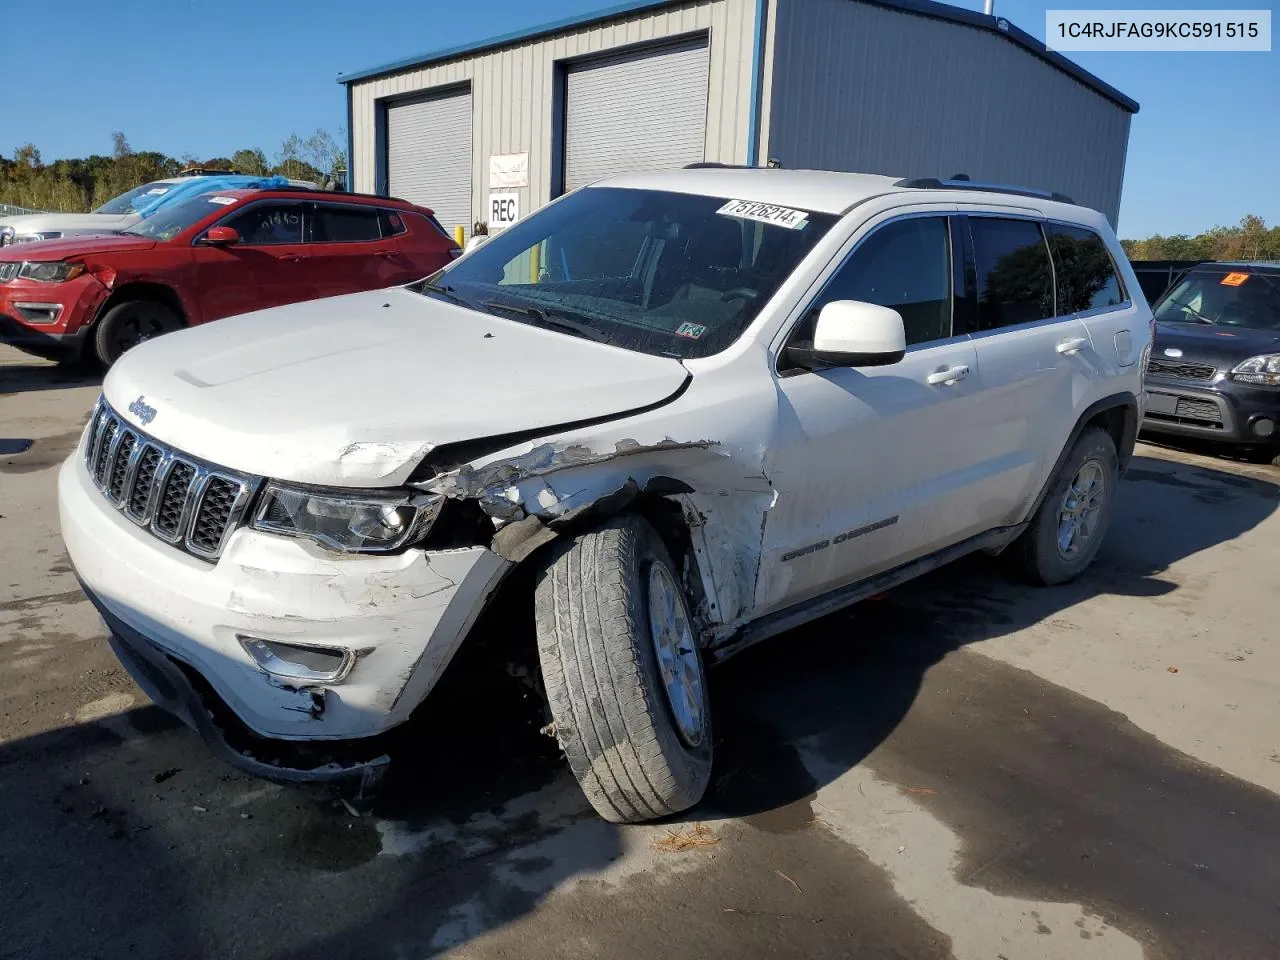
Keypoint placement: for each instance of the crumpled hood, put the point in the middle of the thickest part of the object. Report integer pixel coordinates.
(79, 223)
(75, 247)
(355, 390)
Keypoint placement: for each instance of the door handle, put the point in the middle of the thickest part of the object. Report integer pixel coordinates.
(948, 376)
(293, 257)
(388, 254)
(1071, 345)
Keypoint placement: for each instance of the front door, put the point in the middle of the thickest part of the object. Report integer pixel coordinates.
(876, 466)
(266, 268)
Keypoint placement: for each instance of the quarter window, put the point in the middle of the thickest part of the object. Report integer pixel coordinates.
(1015, 277)
(905, 265)
(338, 224)
(1085, 273)
(266, 224)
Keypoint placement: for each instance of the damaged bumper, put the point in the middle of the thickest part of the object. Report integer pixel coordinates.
(394, 621)
(171, 685)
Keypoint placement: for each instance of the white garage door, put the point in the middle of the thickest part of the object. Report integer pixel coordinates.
(429, 156)
(635, 112)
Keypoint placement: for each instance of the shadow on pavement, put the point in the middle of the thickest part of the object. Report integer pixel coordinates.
(38, 375)
(128, 840)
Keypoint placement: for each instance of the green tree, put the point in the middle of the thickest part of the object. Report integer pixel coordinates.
(253, 162)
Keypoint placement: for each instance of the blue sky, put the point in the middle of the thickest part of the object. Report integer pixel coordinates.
(189, 76)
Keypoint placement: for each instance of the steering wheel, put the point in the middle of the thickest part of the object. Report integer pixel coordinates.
(738, 293)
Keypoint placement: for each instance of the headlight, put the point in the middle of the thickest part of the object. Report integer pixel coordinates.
(51, 272)
(1264, 370)
(32, 237)
(353, 521)
(6, 236)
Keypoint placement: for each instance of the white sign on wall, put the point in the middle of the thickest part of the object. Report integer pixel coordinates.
(509, 170)
(504, 210)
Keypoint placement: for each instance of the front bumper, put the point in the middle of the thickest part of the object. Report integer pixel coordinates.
(73, 304)
(1226, 411)
(404, 617)
(33, 340)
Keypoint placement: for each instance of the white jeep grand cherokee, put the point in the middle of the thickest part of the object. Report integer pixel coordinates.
(703, 406)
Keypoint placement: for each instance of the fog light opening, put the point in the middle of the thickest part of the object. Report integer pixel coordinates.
(299, 662)
(1264, 427)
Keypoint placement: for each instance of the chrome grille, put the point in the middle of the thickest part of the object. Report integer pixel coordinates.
(1180, 371)
(179, 499)
(9, 269)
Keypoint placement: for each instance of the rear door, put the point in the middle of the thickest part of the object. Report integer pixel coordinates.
(1033, 363)
(348, 251)
(267, 268)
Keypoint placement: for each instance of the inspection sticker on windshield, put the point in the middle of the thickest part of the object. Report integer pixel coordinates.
(158, 192)
(1234, 280)
(693, 331)
(765, 213)
(222, 200)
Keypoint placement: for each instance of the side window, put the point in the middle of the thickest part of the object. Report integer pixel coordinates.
(390, 223)
(264, 224)
(342, 224)
(1086, 274)
(905, 265)
(1015, 278)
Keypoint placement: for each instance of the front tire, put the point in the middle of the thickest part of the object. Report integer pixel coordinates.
(1068, 528)
(623, 673)
(130, 323)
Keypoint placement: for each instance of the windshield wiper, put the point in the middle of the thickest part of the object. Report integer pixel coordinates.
(1193, 311)
(444, 290)
(547, 319)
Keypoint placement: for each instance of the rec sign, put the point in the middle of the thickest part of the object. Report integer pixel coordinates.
(504, 210)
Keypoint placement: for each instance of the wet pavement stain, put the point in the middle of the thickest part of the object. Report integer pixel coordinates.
(40, 454)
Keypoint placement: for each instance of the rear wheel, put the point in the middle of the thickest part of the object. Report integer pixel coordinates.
(623, 674)
(130, 323)
(1067, 530)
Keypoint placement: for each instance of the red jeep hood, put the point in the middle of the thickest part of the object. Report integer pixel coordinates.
(75, 247)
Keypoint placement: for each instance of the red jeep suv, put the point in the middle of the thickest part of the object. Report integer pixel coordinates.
(217, 254)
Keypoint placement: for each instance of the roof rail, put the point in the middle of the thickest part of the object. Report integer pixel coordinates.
(961, 181)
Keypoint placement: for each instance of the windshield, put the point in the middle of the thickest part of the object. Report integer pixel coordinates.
(167, 223)
(129, 202)
(1224, 297)
(673, 274)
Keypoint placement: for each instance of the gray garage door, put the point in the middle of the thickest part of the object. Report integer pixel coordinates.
(638, 112)
(429, 156)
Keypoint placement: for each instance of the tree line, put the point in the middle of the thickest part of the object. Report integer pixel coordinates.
(1250, 240)
(77, 185)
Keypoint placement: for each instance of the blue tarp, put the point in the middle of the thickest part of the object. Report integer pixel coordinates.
(178, 192)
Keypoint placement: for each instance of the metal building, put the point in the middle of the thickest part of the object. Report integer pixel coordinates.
(495, 129)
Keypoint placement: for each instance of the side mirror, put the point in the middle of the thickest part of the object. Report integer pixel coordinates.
(850, 333)
(221, 237)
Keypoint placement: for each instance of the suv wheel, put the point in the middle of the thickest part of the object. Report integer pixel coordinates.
(1068, 528)
(623, 673)
(130, 323)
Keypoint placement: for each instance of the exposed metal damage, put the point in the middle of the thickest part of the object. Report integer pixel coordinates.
(543, 490)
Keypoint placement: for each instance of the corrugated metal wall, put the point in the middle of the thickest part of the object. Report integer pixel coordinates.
(866, 88)
(512, 90)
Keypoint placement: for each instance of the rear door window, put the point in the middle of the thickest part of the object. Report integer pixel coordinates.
(334, 223)
(1086, 274)
(1015, 277)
